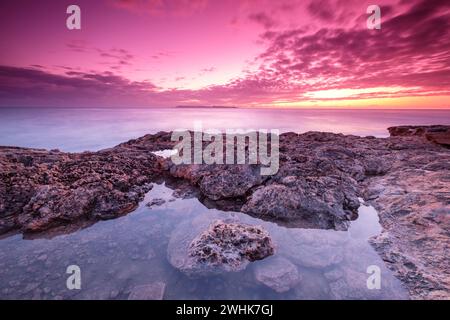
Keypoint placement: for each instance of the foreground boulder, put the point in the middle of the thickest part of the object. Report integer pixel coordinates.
(222, 247)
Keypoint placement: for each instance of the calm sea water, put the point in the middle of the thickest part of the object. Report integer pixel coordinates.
(93, 129)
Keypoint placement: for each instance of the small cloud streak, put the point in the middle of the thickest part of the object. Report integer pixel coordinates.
(263, 19)
(161, 7)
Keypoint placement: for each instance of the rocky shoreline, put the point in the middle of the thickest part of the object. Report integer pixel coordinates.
(406, 177)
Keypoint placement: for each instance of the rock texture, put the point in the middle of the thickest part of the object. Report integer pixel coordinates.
(231, 245)
(316, 185)
(296, 201)
(413, 201)
(222, 247)
(41, 189)
(437, 134)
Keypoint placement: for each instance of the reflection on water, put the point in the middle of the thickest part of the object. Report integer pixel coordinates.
(77, 130)
(165, 153)
(117, 255)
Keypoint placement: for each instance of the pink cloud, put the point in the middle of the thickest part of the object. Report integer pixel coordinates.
(162, 7)
(262, 18)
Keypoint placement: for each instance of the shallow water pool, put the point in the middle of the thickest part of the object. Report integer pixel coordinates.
(117, 255)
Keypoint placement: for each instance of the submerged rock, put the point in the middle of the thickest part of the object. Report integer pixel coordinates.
(153, 291)
(222, 247)
(352, 284)
(315, 248)
(278, 273)
(155, 202)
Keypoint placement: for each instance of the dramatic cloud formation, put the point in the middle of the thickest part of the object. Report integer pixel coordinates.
(249, 53)
(412, 51)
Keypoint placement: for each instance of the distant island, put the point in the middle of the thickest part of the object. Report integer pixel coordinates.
(206, 107)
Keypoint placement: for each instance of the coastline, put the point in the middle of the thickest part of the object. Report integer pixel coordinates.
(406, 178)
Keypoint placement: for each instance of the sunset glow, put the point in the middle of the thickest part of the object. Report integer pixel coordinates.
(146, 53)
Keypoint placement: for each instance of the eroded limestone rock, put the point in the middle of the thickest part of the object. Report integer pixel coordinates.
(222, 247)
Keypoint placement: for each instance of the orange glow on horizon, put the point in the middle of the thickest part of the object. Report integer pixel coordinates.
(410, 102)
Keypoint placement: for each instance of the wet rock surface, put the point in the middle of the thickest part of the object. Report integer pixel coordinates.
(406, 177)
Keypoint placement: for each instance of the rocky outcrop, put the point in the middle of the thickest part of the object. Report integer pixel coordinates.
(219, 181)
(222, 247)
(297, 200)
(437, 134)
(315, 187)
(41, 189)
(414, 208)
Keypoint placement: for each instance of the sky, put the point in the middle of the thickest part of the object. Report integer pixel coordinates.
(248, 53)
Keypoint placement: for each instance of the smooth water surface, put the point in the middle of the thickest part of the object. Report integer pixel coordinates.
(84, 129)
